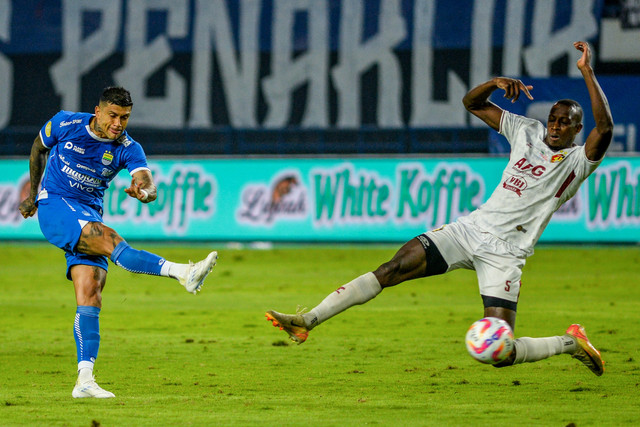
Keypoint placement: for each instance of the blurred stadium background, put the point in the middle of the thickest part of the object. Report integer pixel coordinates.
(309, 120)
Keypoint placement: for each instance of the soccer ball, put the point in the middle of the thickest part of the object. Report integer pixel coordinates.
(490, 340)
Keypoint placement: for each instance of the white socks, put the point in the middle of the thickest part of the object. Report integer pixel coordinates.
(85, 372)
(358, 291)
(173, 269)
(534, 349)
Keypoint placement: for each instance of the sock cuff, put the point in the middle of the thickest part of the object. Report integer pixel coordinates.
(121, 247)
(88, 310)
(371, 287)
(85, 364)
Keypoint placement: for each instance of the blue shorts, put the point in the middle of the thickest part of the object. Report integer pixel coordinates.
(61, 221)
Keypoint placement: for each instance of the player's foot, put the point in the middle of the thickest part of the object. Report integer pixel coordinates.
(197, 272)
(293, 324)
(91, 389)
(586, 352)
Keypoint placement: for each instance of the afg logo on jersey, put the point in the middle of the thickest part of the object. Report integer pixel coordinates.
(107, 158)
(558, 157)
(47, 129)
(514, 183)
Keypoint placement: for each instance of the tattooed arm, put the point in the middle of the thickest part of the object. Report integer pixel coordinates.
(37, 163)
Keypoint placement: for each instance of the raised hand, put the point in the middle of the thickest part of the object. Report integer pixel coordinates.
(513, 87)
(585, 59)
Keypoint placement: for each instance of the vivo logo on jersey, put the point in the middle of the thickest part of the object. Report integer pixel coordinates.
(81, 187)
(517, 184)
(523, 165)
(69, 146)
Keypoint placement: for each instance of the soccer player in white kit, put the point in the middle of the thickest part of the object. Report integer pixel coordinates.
(545, 169)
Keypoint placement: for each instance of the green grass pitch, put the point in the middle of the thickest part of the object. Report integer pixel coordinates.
(213, 359)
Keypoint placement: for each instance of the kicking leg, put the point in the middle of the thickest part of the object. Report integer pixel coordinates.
(98, 239)
(526, 349)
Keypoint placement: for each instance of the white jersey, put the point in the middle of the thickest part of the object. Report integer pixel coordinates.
(535, 183)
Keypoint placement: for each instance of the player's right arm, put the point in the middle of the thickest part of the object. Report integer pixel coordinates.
(600, 137)
(476, 101)
(37, 163)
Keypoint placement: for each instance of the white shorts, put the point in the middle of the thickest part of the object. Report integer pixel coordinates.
(498, 264)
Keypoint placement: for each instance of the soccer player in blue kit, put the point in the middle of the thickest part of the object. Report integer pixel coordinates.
(73, 159)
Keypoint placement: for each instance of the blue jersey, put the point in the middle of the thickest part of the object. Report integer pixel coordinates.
(81, 165)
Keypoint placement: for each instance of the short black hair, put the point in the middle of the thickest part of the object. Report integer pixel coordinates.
(116, 95)
(577, 108)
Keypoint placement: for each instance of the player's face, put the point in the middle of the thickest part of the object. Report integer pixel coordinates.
(562, 127)
(111, 120)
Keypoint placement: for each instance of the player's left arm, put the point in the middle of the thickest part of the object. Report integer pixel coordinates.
(142, 186)
(600, 137)
(37, 164)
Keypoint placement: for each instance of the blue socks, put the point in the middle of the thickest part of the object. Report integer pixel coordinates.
(86, 330)
(136, 261)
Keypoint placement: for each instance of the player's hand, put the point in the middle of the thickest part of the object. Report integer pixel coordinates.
(145, 195)
(28, 207)
(136, 191)
(513, 87)
(585, 59)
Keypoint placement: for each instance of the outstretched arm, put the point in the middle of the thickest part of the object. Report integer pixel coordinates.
(476, 101)
(600, 137)
(37, 163)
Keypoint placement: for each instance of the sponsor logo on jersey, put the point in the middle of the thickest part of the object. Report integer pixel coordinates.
(69, 146)
(47, 129)
(558, 157)
(124, 141)
(523, 165)
(107, 158)
(515, 183)
(80, 177)
(79, 166)
(106, 172)
(71, 122)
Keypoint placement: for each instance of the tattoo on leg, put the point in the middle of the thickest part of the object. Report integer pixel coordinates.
(114, 240)
(96, 230)
(82, 245)
(96, 273)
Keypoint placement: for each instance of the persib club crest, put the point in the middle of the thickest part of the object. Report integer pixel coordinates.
(107, 158)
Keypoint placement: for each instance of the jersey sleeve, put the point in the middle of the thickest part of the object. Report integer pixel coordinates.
(512, 126)
(135, 158)
(50, 133)
(509, 125)
(586, 166)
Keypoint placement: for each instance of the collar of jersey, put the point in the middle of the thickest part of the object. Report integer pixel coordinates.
(96, 137)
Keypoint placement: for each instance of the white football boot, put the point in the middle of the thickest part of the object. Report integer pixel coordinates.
(90, 389)
(193, 280)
